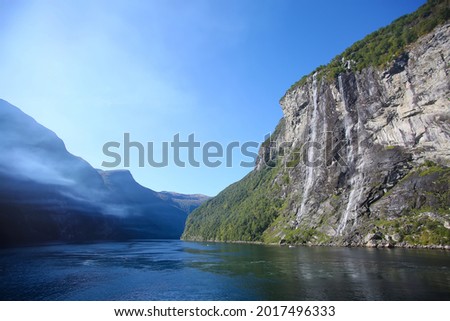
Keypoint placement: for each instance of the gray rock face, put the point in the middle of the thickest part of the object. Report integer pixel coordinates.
(408, 108)
(362, 142)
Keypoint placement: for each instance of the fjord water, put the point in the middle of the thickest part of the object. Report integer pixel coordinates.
(176, 270)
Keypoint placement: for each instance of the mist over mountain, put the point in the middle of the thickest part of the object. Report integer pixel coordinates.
(48, 194)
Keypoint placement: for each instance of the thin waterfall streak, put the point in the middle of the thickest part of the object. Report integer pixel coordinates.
(355, 188)
(311, 152)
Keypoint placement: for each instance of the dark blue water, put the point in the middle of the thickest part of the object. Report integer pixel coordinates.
(175, 270)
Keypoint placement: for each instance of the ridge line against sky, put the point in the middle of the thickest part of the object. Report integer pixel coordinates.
(93, 70)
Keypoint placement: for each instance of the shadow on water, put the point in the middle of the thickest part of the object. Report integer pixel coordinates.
(175, 270)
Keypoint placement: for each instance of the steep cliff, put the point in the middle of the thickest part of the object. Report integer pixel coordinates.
(360, 158)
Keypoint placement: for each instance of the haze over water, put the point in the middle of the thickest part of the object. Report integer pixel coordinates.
(176, 270)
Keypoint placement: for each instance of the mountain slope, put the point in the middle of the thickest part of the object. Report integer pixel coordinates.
(147, 213)
(47, 194)
(360, 158)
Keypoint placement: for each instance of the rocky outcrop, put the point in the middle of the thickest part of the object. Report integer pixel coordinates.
(372, 128)
(361, 160)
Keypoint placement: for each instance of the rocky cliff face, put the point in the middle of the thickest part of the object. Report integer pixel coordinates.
(372, 129)
(361, 160)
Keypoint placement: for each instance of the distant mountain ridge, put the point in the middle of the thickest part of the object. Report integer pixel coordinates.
(48, 194)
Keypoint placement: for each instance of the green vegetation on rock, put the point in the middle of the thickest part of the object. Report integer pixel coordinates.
(381, 47)
(245, 209)
(242, 212)
(417, 229)
(426, 218)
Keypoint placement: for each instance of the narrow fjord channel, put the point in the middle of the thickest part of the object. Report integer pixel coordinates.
(177, 270)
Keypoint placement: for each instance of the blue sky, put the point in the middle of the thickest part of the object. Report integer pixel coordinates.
(94, 70)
